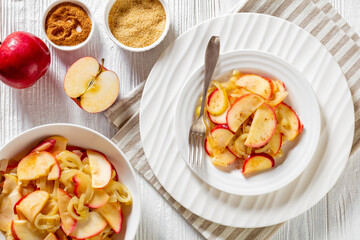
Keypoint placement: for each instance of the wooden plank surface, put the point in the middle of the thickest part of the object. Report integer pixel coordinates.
(335, 217)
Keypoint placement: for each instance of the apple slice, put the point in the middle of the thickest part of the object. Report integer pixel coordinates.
(101, 169)
(61, 235)
(262, 128)
(60, 144)
(242, 109)
(223, 159)
(99, 199)
(83, 186)
(288, 121)
(219, 119)
(89, 227)
(67, 222)
(55, 172)
(90, 85)
(236, 94)
(237, 147)
(222, 135)
(274, 145)
(32, 204)
(112, 213)
(81, 152)
(257, 162)
(8, 199)
(50, 236)
(279, 94)
(23, 230)
(256, 84)
(35, 165)
(45, 145)
(218, 100)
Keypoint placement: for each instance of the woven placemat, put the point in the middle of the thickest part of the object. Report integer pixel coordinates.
(317, 17)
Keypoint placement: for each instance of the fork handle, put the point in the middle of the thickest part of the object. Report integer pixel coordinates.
(211, 58)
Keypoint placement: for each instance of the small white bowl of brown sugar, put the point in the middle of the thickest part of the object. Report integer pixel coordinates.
(137, 25)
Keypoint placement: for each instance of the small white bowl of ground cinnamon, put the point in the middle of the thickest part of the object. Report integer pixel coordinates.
(68, 24)
(137, 25)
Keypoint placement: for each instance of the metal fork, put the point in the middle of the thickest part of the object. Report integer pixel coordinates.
(198, 129)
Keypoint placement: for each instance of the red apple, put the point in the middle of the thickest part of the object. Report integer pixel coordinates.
(90, 85)
(24, 59)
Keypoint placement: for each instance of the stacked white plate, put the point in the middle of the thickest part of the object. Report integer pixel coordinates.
(162, 128)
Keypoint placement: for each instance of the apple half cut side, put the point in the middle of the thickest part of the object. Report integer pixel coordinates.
(256, 84)
(90, 85)
(68, 223)
(45, 145)
(112, 213)
(89, 227)
(288, 121)
(35, 165)
(262, 128)
(32, 204)
(257, 162)
(23, 230)
(101, 169)
(242, 109)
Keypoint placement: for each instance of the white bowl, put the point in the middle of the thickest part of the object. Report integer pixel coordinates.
(143, 49)
(297, 153)
(80, 45)
(88, 139)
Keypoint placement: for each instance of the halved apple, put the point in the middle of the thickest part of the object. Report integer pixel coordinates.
(99, 199)
(35, 165)
(289, 123)
(23, 230)
(242, 109)
(90, 85)
(112, 213)
(222, 135)
(262, 128)
(45, 145)
(32, 204)
(101, 169)
(50, 236)
(257, 162)
(68, 223)
(89, 227)
(223, 159)
(256, 84)
(60, 144)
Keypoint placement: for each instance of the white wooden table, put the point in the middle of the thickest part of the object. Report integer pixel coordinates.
(335, 217)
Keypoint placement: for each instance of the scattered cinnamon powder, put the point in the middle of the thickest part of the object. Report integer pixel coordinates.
(137, 23)
(67, 24)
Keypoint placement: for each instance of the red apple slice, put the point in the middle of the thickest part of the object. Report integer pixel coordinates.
(35, 165)
(112, 213)
(288, 121)
(45, 145)
(257, 162)
(242, 109)
(50, 236)
(81, 152)
(60, 144)
(217, 101)
(32, 204)
(279, 94)
(223, 159)
(89, 227)
(55, 172)
(219, 119)
(82, 182)
(222, 135)
(262, 128)
(23, 230)
(208, 148)
(237, 147)
(101, 169)
(256, 84)
(99, 199)
(67, 222)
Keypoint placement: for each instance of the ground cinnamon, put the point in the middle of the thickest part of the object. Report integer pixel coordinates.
(67, 24)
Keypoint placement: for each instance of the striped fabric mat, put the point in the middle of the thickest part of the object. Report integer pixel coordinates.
(317, 17)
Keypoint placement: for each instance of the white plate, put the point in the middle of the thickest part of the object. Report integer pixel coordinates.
(297, 154)
(88, 139)
(301, 50)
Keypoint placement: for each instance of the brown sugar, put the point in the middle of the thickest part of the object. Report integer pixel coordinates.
(67, 24)
(137, 23)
